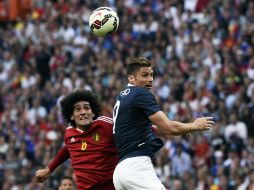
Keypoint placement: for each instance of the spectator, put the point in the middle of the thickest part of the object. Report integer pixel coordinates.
(177, 184)
(218, 162)
(181, 162)
(66, 183)
(236, 128)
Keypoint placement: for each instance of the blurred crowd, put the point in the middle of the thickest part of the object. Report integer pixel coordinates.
(203, 57)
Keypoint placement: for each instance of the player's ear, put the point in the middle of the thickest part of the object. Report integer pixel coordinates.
(72, 118)
(131, 79)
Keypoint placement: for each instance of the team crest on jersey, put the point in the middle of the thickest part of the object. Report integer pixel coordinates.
(96, 137)
(125, 92)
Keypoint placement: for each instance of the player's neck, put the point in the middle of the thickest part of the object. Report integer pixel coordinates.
(84, 127)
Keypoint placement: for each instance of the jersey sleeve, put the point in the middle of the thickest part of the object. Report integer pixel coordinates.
(146, 101)
(61, 156)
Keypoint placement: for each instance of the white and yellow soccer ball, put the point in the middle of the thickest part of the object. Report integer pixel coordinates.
(103, 21)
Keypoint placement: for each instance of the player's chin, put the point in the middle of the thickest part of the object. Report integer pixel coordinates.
(149, 87)
(85, 122)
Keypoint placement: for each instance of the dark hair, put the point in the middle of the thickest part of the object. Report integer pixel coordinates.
(136, 63)
(67, 177)
(68, 102)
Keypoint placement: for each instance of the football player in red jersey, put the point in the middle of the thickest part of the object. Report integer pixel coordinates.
(88, 143)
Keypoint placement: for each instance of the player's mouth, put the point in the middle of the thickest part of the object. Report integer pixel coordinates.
(82, 118)
(148, 86)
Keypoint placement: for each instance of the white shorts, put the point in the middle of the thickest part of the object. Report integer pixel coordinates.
(136, 173)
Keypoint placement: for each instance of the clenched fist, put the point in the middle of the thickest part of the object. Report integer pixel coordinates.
(42, 175)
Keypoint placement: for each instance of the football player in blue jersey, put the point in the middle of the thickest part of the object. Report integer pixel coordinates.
(134, 113)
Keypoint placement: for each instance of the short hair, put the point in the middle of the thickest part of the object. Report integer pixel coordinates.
(67, 177)
(68, 102)
(136, 63)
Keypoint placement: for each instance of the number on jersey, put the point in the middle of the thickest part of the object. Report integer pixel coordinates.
(115, 113)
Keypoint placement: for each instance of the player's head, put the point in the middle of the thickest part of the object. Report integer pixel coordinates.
(140, 72)
(66, 183)
(80, 108)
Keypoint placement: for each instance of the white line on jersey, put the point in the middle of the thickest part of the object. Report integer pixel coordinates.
(106, 119)
(141, 144)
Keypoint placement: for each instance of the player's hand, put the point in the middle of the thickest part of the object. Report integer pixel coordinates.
(42, 175)
(204, 123)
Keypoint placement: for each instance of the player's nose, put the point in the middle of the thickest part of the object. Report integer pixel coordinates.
(150, 78)
(82, 111)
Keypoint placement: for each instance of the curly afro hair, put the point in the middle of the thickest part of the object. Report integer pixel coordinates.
(68, 102)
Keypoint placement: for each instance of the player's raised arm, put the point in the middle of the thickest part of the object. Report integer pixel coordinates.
(169, 127)
(43, 174)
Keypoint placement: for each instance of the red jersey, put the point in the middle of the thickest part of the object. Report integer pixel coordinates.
(93, 153)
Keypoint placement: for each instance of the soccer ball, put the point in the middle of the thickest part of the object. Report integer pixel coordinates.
(103, 21)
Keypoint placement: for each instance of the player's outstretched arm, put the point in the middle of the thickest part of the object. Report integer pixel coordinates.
(43, 174)
(169, 127)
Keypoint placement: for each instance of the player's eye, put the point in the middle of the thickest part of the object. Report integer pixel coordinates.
(77, 109)
(86, 108)
(147, 75)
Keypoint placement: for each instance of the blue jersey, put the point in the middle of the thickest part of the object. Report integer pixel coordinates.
(132, 129)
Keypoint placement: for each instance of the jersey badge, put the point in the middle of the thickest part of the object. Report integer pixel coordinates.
(96, 137)
(125, 92)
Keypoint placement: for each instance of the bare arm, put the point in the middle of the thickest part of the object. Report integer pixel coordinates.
(43, 174)
(169, 127)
